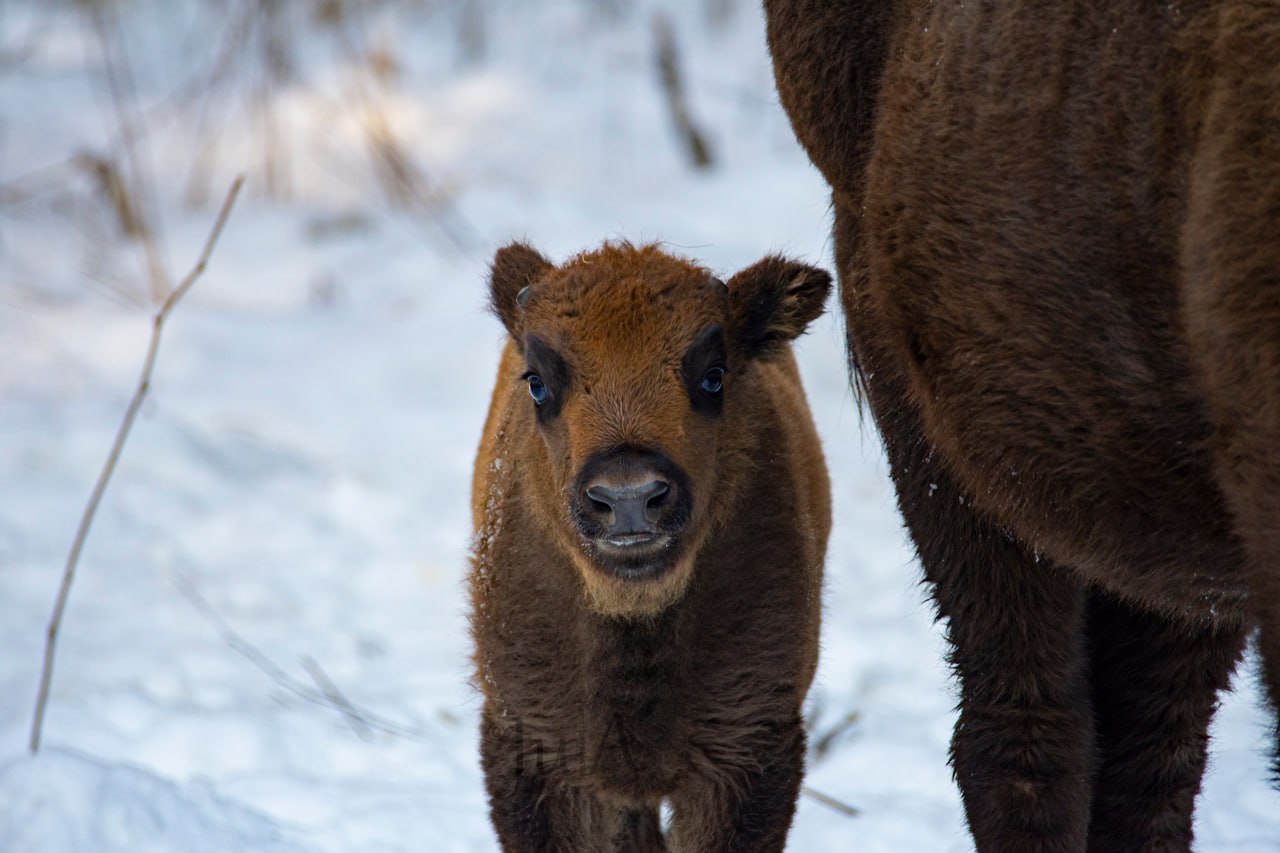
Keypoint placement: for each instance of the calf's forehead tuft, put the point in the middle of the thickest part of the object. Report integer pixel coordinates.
(620, 286)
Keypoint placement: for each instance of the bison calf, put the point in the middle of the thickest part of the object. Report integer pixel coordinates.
(651, 509)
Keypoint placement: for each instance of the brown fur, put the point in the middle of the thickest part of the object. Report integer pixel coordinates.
(606, 695)
(1057, 236)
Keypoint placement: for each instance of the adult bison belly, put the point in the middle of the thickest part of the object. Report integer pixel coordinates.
(1020, 238)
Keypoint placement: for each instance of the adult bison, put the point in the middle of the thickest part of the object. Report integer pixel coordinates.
(1057, 229)
(651, 510)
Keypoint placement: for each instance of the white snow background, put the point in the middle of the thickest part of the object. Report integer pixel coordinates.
(266, 644)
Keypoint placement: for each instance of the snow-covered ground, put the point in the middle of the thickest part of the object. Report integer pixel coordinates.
(266, 645)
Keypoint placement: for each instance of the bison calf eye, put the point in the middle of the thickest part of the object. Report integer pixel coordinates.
(713, 380)
(537, 389)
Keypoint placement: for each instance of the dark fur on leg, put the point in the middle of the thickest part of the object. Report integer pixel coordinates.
(1022, 746)
(534, 811)
(525, 814)
(751, 815)
(1155, 685)
(641, 832)
(1232, 292)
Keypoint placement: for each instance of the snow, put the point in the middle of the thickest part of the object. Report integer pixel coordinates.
(266, 645)
(66, 801)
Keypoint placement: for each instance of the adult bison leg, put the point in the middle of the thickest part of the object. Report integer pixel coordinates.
(1155, 686)
(1023, 745)
(1231, 293)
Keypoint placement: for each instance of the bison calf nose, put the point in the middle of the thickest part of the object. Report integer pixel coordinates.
(635, 507)
(632, 503)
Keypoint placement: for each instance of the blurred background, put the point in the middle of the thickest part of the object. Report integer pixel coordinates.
(265, 646)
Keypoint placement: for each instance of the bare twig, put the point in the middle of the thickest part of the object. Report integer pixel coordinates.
(472, 34)
(104, 477)
(672, 81)
(830, 802)
(368, 719)
(336, 697)
(242, 646)
(825, 740)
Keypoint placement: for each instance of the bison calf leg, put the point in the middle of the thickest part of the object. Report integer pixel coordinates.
(528, 813)
(533, 813)
(640, 831)
(1155, 686)
(750, 815)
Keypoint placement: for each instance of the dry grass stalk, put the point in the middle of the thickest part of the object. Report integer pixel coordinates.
(117, 446)
(403, 181)
(136, 183)
(114, 188)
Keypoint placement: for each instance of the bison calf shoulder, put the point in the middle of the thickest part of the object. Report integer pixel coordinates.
(651, 509)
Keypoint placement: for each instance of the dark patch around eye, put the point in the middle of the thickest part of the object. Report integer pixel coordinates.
(708, 351)
(554, 372)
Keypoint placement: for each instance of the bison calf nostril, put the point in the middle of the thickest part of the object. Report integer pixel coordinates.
(657, 501)
(599, 500)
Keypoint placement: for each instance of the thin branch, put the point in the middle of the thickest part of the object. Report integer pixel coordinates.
(336, 697)
(830, 802)
(672, 80)
(240, 645)
(196, 271)
(104, 477)
(826, 740)
(368, 719)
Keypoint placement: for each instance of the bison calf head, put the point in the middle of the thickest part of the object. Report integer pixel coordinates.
(639, 381)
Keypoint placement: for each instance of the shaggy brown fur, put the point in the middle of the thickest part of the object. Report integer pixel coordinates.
(1057, 229)
(614, 682)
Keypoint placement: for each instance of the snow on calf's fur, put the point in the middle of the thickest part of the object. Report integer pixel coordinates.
(651, 509)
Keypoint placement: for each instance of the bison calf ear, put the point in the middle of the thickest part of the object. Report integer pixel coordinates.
(773, 301)
(515, 267)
